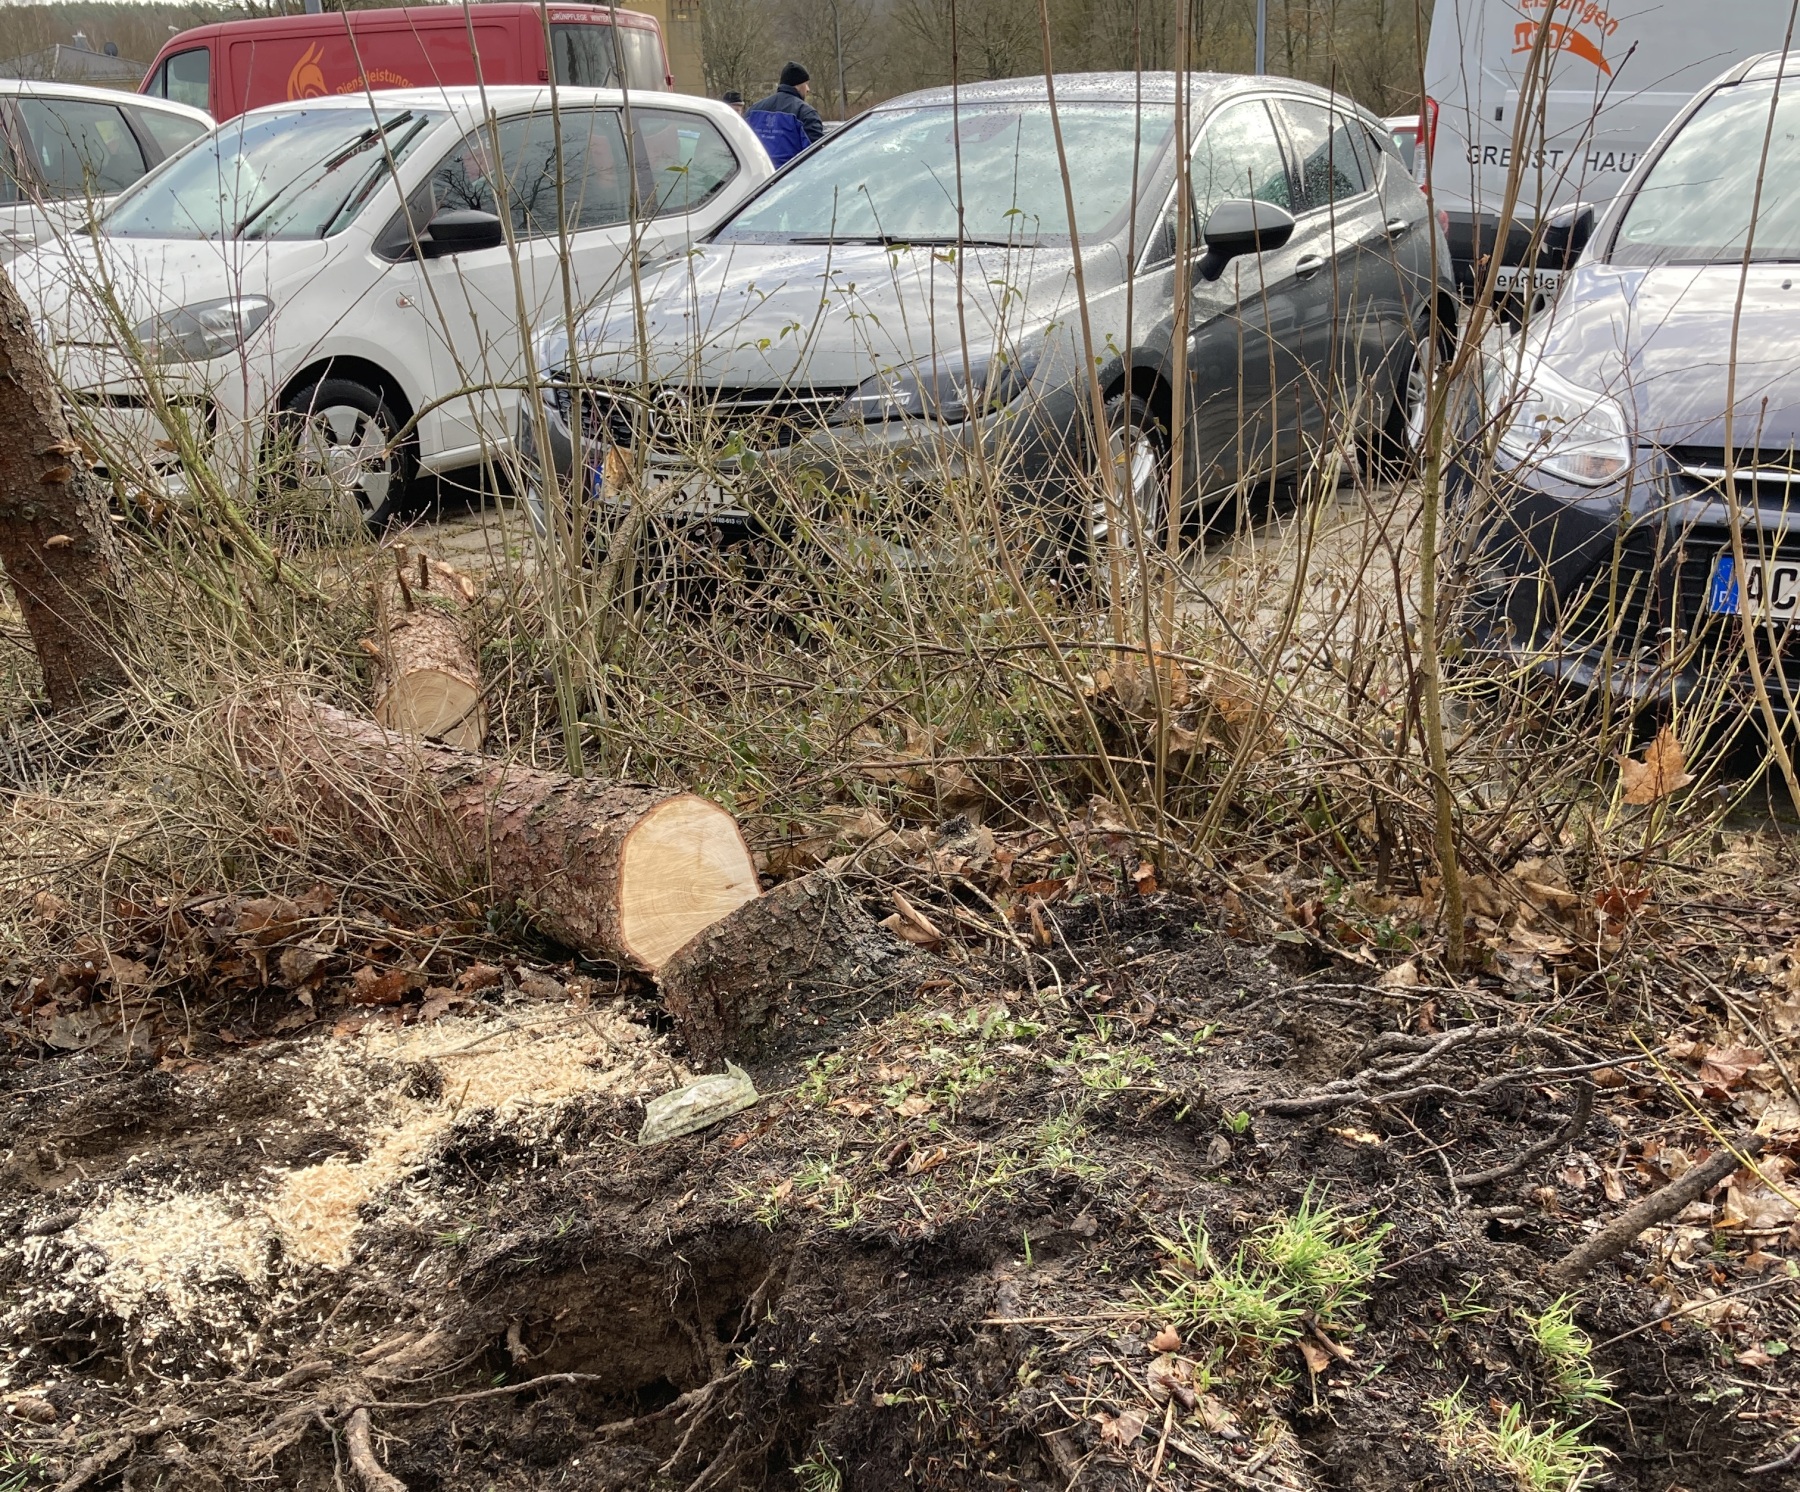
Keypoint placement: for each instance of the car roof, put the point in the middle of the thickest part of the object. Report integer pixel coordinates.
(20, 87)
(1764, 65)
(382, 16)
(1119, 87)
(468, 100)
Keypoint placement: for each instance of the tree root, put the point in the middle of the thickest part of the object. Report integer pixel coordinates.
(375, 1477)
(1368, 1085)
(1575, 1124)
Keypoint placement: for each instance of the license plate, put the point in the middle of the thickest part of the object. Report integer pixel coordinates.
(1514, 277)
(679, 492)
(1769, 590)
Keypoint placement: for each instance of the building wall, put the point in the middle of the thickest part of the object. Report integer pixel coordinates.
(680, 21)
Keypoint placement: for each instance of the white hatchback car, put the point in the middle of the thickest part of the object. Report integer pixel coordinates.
(330, 293)
(66, 150)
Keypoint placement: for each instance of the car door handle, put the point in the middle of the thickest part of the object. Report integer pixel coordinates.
(1308, 265)
(1398, 228)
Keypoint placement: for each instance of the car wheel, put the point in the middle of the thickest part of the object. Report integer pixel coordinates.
(341, 448)
(1401, 439)
(1137, 445)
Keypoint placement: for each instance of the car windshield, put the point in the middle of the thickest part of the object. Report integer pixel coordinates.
(1695, 204)
(892, 178)
(304, 174)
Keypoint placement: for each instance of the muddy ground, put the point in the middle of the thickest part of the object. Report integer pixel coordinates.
(944, 1249)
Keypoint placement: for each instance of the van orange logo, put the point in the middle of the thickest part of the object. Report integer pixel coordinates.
(307, 80)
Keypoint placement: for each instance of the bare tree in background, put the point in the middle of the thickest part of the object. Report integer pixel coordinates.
(735, 44)
(839, 43)
(995, 38)
(56, 539)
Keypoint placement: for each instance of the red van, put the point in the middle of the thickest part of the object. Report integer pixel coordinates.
(231, 66)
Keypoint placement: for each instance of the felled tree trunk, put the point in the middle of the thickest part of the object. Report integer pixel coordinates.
(427, 679)
(618, 871)
(56, 539)
(798, 956)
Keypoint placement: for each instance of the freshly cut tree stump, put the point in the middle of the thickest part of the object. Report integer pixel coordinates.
(615, 870)
(794, 954)
(427, 679)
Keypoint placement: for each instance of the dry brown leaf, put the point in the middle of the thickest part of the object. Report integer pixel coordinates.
(1401, 976)
(1317, 1358)
(1723, 1067)
(1218, 1420)
(1121, 1430)
(1166, 1340)
(1661, 772)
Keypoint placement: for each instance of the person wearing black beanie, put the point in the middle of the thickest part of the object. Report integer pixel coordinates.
(784, 121)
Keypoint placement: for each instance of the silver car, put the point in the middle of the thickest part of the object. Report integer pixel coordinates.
(905, 299)
(68, 150)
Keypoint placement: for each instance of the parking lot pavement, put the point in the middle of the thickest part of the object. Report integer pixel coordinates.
(1330, 572)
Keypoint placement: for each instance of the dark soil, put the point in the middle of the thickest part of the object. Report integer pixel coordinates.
(919, 1261)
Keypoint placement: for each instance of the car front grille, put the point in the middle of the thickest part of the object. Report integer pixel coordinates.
(694, 420)
(1760, 476)
(1647, 600)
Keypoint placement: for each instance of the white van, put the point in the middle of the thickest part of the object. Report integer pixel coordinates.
(1615, 78)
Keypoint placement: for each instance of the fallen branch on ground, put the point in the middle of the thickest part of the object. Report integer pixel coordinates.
(1659, 1206)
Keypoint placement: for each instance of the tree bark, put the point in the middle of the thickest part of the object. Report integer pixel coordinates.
(56, 538)
(618, 871)
(427, 680)
(795, 958)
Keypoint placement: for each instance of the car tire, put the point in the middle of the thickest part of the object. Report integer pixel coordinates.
(1400, 439)
(341, 441)
(1137, 442)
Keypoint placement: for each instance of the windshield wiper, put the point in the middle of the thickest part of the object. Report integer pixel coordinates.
(909, 241)
(361, 143)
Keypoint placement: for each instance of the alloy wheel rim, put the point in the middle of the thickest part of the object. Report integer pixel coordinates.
(1137, 460)
(345, 455)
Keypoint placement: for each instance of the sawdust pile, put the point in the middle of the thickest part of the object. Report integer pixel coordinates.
(166, 1255)
(508, 1069)
(170, 1251)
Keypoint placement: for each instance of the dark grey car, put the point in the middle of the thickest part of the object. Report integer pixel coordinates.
(904, 299)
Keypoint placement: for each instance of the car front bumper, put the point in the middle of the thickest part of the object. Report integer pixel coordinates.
(886, 470)
(1618, 593)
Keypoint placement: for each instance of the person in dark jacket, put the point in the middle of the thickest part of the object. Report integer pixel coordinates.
(784, 121)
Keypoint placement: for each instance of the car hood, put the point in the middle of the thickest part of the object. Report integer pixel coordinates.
(66, 285)
(1660, 339)
(783, 315)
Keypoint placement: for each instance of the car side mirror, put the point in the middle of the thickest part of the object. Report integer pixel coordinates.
(1240, 226)
(463, 230)
(1566, 232)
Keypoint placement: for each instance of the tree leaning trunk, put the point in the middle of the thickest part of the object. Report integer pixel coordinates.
(619, 871)
(798, 956)
(427, 680)
(56, 538)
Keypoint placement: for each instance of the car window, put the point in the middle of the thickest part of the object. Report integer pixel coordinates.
(1325, 151)
(596, 175)
(296, 173)
(170, 131)
(891, 176)
(186, 78)
(686, 157)
(81, 149)
(1239, 155)
(1697, 202)
(588, 56)
(597, 178)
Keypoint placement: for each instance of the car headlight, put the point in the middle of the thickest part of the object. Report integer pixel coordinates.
(941, 388)
(206, 329)
(1559, 427)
